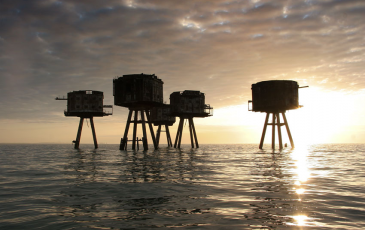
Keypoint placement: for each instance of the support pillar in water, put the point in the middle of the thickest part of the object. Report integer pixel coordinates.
(78, 136)
(135, 121)
(276, 122)
(193, 136)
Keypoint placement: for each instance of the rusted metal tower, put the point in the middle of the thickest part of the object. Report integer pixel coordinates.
(187, 105)
(86, 104)
(275, 97)
(160, 116)
(139, 93)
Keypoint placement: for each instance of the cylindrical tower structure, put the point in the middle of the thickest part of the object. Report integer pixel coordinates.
(275, 97)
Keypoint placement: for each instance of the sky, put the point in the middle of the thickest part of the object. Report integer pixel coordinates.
(49, 48)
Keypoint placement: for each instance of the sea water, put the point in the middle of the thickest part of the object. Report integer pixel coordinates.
(213, 187)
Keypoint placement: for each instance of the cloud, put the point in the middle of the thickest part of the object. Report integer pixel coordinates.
(48, 48)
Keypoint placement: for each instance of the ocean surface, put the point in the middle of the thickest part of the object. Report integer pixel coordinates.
(213, 187)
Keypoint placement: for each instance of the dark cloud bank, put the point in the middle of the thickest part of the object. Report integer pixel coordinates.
(48, 48)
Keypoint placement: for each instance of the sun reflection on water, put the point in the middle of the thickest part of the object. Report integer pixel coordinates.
(300, 219)
(300, 157)
(300, 191)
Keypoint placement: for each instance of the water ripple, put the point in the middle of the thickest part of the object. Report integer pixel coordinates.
(214, 187)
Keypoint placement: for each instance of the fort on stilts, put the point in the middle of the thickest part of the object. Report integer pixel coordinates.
(275, 97)
(187, 105)
(86, 104)
(139, 93)
(161, 116)
(142, 94)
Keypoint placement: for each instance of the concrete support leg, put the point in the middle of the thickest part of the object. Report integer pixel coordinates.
(264, 130)
(93, 131)
(168, 136)
(279, 131)
(134, 129)
(123, 143)
(288, 130)
(194, 132)
(78, 137)
(273, 131)
(151, 129)
(145, 143)
(179, 129)
(158, 133)
(191, 133)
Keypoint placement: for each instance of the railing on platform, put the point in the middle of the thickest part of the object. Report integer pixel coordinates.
(208, 109)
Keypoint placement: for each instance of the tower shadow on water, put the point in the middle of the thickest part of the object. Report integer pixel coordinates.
(274, 98)
(86, 104)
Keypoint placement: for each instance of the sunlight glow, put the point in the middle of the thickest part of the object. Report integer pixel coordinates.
(326, 116)
(300, 157)
(301, 219)
(234, 115)
(300, 191)
(304, 220)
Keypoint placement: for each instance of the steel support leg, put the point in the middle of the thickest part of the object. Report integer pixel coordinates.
(94, 134)
(78, 136)
(264, 130)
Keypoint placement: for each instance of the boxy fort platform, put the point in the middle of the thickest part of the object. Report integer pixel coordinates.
(86, 104)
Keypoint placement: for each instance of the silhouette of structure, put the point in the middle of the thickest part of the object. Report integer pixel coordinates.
(139, 93)
(85, 104)
(275, 97)
(160, 116)
(187, 105)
